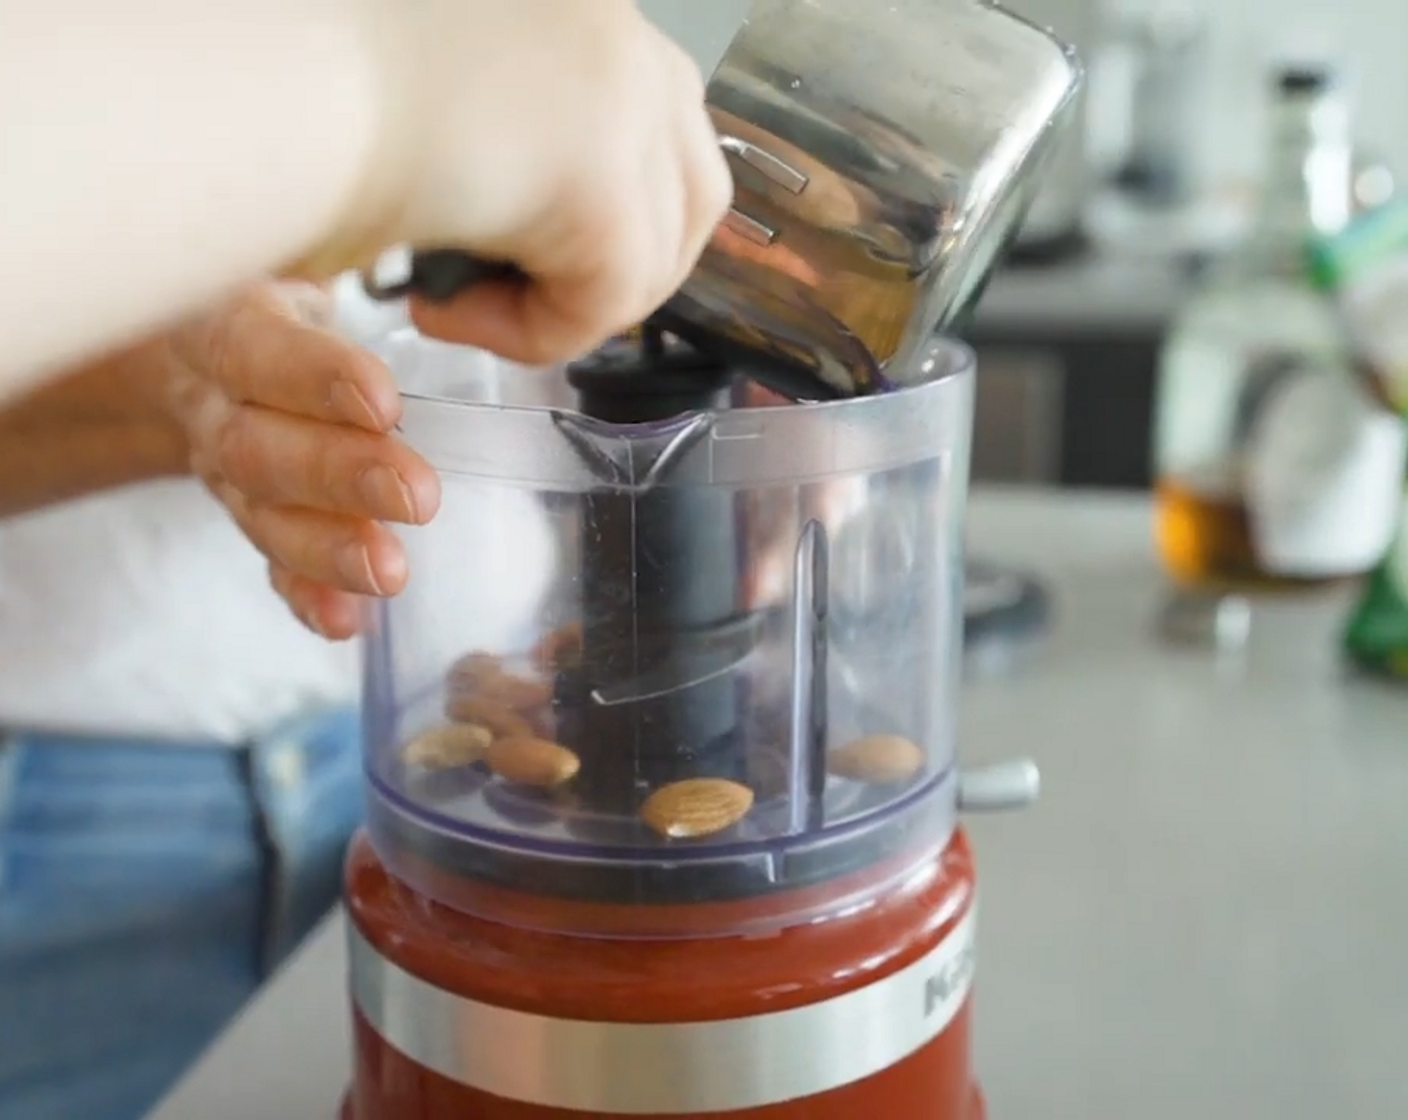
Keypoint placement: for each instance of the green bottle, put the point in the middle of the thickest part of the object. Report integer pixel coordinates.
(1366, 267)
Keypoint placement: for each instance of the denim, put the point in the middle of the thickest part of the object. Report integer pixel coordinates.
(146, 892)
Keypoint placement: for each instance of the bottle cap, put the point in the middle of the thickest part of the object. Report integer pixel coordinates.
(1304, 79)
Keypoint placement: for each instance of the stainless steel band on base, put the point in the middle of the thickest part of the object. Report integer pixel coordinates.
(666, 1068)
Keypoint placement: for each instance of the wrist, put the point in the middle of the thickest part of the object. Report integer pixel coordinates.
(152, 375)
(103, 426)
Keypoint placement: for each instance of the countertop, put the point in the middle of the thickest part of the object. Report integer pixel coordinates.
(1205, 915)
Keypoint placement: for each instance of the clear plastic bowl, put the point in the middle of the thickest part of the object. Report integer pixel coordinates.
(708, 660)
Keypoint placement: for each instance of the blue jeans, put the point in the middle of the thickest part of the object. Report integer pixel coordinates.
(145, 893)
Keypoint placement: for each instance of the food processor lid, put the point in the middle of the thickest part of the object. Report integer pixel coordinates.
(471, 414)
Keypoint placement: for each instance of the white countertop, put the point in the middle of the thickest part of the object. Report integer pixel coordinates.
(1206, 915)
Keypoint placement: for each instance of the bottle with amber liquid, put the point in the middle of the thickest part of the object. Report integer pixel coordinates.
(1259, 414)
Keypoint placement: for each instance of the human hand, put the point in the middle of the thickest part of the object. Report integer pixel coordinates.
(292, 428)
(567, 138)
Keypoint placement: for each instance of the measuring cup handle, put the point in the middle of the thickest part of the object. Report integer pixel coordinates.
(438, 275)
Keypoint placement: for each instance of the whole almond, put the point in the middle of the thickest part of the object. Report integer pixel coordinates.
(444, 748)
(518, 693)
(880, 760)
(498, 717)
(527, 761)
(474, 669)
(696, 807)
(560, 649)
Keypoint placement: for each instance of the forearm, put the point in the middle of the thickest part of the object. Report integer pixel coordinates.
(103, 426)
(158, 152)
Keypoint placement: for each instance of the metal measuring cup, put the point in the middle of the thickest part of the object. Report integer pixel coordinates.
(883, 155)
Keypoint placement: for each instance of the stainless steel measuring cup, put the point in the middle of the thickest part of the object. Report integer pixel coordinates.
(882, 155)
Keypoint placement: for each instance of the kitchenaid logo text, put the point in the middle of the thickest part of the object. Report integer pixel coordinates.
(952, 979)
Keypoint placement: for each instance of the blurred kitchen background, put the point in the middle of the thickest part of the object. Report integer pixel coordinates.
(1158, 181)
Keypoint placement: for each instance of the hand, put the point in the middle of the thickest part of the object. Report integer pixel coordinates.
(290, 427)
(568, 138)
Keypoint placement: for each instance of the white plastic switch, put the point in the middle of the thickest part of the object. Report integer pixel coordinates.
(1000, 788)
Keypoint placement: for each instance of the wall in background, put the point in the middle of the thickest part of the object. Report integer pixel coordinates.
(1368, 38)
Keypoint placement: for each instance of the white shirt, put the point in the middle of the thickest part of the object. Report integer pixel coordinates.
(145, 612)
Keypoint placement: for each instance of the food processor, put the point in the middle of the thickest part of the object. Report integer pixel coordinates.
(677, 834)
(663, 790)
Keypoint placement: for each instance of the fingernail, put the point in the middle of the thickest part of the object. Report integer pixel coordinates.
(354, 564)
(313, 619)
(354, 407)
(389, 495)
(331, 624)
(305, 609)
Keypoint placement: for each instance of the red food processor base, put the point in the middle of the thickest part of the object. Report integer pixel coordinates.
(977, 1110)
(462, 1018)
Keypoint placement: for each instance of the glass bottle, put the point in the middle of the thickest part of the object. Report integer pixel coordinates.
(1254, 325)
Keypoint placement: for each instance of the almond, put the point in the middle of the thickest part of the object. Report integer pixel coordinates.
(474, 669)
(499, 718)
(527, 761)
(483, 674)
(560, 649)
(696, 807)
(444, 748)
(879, 760)
(517, 693)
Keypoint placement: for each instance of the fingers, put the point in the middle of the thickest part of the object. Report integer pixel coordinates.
(343, 553)
(328, 612)
(708, 183)
(606, 291)
(276, 459)
(269, 349)
(623, 235)
(288, 425)
(551, 320)
(535, 324)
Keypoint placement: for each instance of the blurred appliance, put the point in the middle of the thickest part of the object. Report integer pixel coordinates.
(1152, 70)
(1055, 226)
